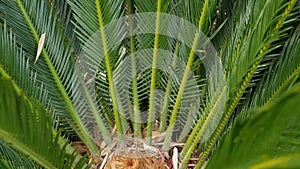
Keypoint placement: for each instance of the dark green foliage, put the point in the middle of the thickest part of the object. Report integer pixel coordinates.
(26, 127)
(270, 139)
(242, 115)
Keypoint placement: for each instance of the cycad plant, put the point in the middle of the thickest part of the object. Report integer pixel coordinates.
(149, 84)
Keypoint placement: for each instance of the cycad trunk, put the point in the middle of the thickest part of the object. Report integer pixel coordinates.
(134, 153)
(127, 162)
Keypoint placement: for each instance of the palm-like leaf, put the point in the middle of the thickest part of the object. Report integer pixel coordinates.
(146, 72)
(11, 159)
(242, 46)
(271, 86)
(32, 121)
(273, 141)
(54, 69)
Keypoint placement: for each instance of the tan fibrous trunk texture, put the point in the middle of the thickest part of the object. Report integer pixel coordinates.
(134, 153)
(121, 162)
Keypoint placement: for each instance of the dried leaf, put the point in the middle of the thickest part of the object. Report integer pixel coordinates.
(40, 47)
(175, 158)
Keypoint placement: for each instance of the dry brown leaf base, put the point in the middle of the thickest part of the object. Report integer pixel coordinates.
(133, 153)
(121, 162)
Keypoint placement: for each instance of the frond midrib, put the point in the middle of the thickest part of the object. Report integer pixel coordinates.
(109, 70)
(281, 87)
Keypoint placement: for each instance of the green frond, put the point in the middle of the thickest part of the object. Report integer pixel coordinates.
(13, 159)
(98, 14)
(143, 68)
(66, 20)
(206, 123)
(208, 56)
(265, 69)
(285, 74)
(153, 73)
(54, 69)
(168, 85)
(193, 10)
(15, 66)
(270, 86)
(189, 10)
(254, 55)
(150, 6)
(153, 41)
(253, 43)
(32, 134)
(268, 140)
(136, 107)
(85, 14)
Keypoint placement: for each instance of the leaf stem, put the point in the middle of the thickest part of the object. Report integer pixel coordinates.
(187, 73)
(109, 71)
(164, 114)
(136, 107)
(200, 128)
(153, 74)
